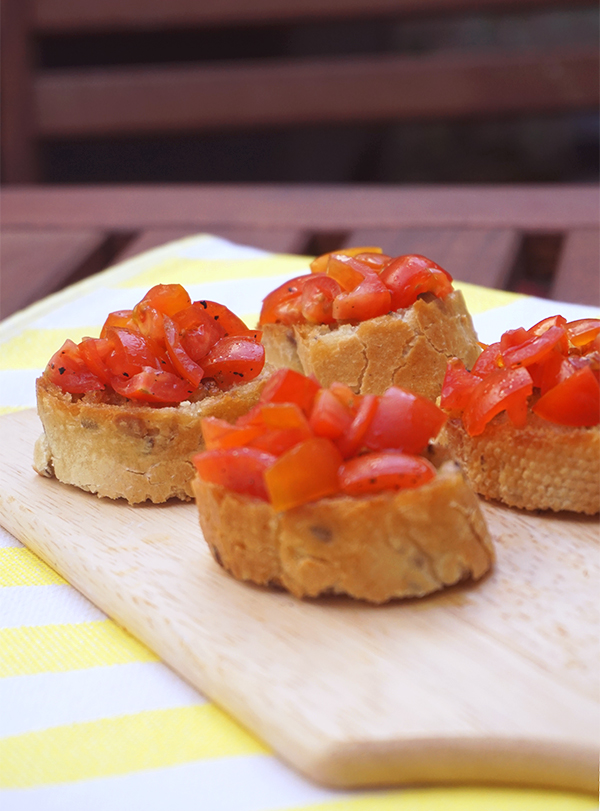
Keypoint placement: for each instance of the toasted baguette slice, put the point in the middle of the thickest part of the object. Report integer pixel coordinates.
(408, 348)
(393, 544)
(130, 450)
(542, 466)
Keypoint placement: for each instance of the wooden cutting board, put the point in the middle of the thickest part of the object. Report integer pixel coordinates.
(495, 682)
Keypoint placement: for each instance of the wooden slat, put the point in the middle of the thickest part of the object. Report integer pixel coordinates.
(277, 240)
(69, 15)
(478, 256)
(97, 102)
(327, 207)
(577, 277)
(17, 115)
(36, 263)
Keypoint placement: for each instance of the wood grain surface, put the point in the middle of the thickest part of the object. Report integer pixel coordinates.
(494, 682)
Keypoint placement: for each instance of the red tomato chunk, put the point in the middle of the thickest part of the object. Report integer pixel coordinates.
(322, 442)
(161, 351)
(353, 285)
(552, 369)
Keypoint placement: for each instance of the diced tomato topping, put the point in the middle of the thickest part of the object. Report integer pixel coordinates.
(185, 366)
(353, 439)
(319, 265)
(162, 350)
(329, 416)
(409, 276)
(575, 401)
(288, 386)
(384, 470)
(546, 323)
(458, 385)
(489, 360)
(354, 284)
(325, 442)
(306, 472)
(316, 300)
(68, 370)
(154, 386)
(166, 298)
(283, 305)
(369, 299)
(534, 348)
(404, 421)
(558, 359)
(502, 389)
(234, 359)
(220, 434)
(584, 331)
(346, 271)
(239, 469)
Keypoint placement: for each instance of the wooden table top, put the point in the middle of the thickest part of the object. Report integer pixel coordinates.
(538, 239)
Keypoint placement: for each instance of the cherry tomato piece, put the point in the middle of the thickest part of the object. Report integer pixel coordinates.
(583, 331)
(184, 365)
(369, 299)
(319, 264)
(234, 359)
(458, 385)
(346, 271)
(68, 370)
(239, 469)
(307, 472)
(282, 305)
(288, 386)
(492, 396)
(316, 301)
(535, 348)
(384, 470)
(575, 401)
(120, 318)
(407, 277)
(166, 298)
(94, 352)
(404, 421)
(154, 386)
(546, 323)
(352, 439)
(219, 433)
(227, 321)
(329, 417)
(489, 360)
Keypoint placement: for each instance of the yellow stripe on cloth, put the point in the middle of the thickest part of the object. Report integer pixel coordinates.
(20, 567)
(481, 299)
(458, 799)
(128, 743)
(59, 648)
(33, 348)
(198, 271)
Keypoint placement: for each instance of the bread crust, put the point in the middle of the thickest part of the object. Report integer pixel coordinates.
(131, 450)
(542, 466)
(394, 544)
(408, 348)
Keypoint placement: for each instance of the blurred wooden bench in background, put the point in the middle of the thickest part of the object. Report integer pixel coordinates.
(285, 90)
(540, 240)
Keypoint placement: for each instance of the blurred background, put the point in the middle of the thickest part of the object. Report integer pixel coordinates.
(386, 91)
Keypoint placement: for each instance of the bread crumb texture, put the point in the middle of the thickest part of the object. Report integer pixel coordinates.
(395, 544)
(542, 466)
(132, 450)
(408, 348)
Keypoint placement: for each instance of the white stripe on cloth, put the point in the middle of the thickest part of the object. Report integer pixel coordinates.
(251, 783)
(43, 700)
(53, 604)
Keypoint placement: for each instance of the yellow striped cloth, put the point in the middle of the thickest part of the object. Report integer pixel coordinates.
(89, 717)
